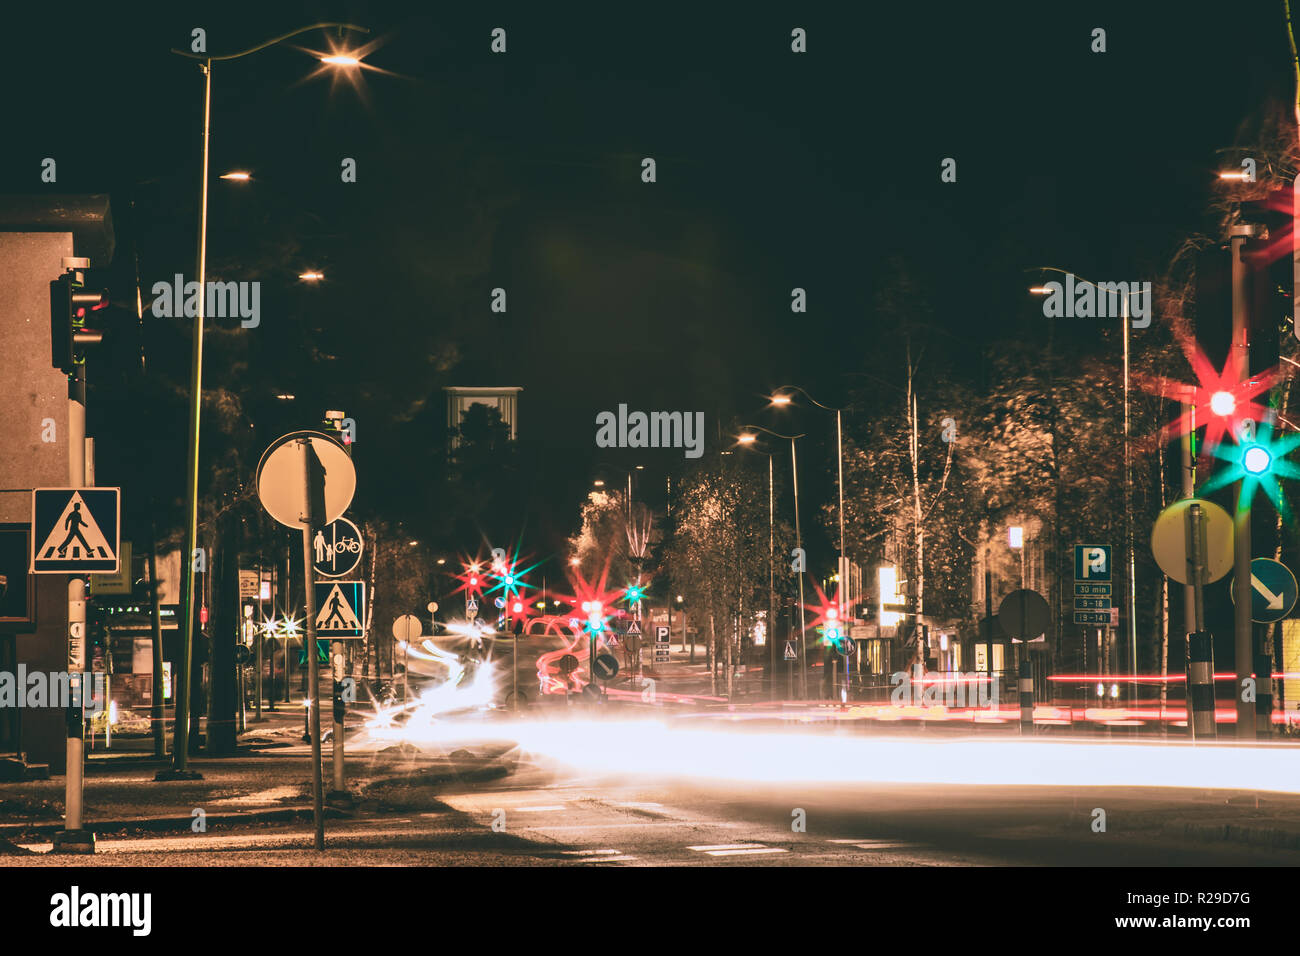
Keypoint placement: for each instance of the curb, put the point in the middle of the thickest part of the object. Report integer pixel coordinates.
(1253, 836)
(283, 815)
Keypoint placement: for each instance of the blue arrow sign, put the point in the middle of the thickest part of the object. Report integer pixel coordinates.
(1272, 590)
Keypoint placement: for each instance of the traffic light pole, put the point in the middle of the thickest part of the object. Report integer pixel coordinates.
(1239, 361)
(74, 839)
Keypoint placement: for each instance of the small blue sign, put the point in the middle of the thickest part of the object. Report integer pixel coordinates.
(1272, 590)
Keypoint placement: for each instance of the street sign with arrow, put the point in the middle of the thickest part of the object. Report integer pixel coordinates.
(1272, 590)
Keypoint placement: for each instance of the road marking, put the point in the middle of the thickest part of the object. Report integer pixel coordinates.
(748, 852)
(882, 846)
(540, 809)
(548, 827)
(725, 846)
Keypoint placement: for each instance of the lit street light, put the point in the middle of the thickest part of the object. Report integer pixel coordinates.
(179, 769)
(798, 543)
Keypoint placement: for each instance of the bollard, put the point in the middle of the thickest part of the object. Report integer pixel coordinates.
(1263, 695)
(1200, 685)
(1026, 697)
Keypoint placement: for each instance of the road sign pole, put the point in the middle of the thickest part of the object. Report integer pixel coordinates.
(313, 668)
(340, 711)
(1263, 693)
(1196, 560)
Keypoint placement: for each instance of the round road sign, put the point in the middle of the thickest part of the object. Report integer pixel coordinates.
(606, 666)
(567, 664)
(336, 548)
(1169, 540)
(282, 481)
(1272, 590)
(406, 628)
(1024, 614)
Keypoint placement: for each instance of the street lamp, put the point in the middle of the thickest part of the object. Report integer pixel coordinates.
(798, 543)
(180, 749)
(748, 441)
(782, 398)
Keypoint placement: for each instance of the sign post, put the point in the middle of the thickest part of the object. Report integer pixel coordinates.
(77, 530)
(306, 479)
(1192, 542)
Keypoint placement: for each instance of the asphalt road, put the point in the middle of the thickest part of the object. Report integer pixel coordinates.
(542, 815)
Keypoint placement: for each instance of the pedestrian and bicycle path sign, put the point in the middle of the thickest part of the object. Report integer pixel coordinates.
(76, 530)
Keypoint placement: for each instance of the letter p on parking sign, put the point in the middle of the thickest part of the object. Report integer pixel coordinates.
(1092, 562)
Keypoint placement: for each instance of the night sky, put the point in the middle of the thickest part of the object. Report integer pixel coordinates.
(522, 171)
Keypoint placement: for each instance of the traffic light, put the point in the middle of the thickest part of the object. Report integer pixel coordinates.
(70, 302)
(1258, 462)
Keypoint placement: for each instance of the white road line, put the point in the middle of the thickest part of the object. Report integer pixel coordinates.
(725, 846)
(881, 846)
(747, 852)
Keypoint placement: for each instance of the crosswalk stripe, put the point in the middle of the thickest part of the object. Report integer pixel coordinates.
(591, 852)
(749, 851)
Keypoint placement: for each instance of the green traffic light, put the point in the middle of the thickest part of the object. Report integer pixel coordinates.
(1257, 463)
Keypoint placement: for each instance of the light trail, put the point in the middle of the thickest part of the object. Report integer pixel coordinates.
(609, 747)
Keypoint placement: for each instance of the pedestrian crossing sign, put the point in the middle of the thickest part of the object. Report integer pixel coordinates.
(76, 530)
(340, 609)
(634, 629)
(789, 651)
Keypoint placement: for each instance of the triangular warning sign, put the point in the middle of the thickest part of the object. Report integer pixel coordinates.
(471, 605)
(634, 629)
(612, 639)
(336, 614)
(789, 651)
(75, 536)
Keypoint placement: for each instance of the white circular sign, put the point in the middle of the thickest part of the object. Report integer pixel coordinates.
(406, 628)
(336, 548)
(282, 477)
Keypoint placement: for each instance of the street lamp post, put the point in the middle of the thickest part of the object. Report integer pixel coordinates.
(180, 749)
(798, 543)
(771, 570)
(778, 398)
